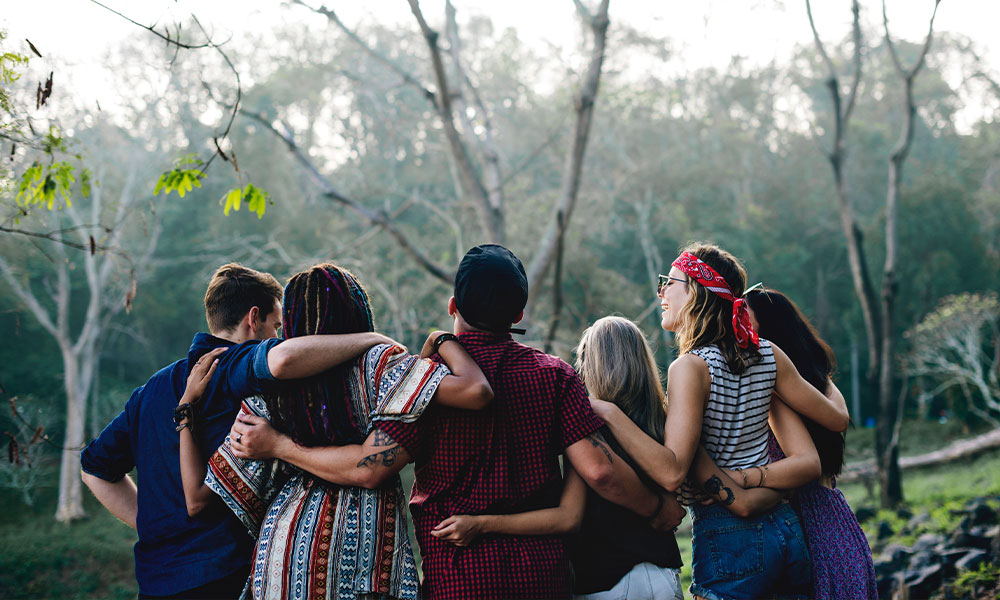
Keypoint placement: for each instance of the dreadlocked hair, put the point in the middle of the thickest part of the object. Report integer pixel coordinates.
(707, 319)
(323, 299)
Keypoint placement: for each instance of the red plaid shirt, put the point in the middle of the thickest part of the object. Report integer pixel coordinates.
(500, 460)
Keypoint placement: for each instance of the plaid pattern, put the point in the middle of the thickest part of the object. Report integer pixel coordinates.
(500, 460)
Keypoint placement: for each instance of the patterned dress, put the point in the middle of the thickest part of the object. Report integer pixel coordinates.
(841, 559)
(317, 540)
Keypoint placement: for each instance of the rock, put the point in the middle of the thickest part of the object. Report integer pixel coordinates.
(948, 558)
(923, 582)
(982, 514)
(865, 513)
(919, 519)
(970, 539)
(995, 546)
(904, 513)
(884, 531)
(894, 558)
(927, 541)
(971, 560)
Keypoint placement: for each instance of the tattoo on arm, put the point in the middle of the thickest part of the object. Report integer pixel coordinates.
(386, 458)
(381, 438)
(714, 487)
(598, 442)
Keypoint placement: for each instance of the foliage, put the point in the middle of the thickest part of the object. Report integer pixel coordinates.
(10, 65)
(957, 345)
(185, 176)
(982, 583)
(256, 199)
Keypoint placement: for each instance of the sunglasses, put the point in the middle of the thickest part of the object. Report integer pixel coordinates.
(663, 280)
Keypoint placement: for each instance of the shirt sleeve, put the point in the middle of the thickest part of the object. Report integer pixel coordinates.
(406, 435)
(401, 387)
(577, 416)
(402, 384)
(245, 368)
(110, 456)
(246, 486)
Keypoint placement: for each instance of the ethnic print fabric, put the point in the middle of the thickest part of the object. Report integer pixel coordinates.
(317, 540)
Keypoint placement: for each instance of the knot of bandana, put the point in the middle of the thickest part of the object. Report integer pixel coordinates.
(697, 269)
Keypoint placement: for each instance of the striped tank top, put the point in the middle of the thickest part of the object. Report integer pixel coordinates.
(734, 427)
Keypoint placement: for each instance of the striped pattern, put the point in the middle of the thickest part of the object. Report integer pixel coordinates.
(316, 540)
(734, 428)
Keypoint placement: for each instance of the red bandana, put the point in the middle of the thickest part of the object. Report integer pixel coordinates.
(696, 269)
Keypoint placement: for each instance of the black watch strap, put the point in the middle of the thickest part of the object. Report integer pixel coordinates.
(444, 337)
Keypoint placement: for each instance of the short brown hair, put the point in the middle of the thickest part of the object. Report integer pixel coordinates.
(234, 290)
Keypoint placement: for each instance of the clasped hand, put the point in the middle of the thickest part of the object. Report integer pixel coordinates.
(252, 437)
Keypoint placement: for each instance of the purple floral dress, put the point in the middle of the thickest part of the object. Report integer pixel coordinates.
(841, 558)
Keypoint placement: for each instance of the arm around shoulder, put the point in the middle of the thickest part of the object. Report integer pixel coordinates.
(829, 410)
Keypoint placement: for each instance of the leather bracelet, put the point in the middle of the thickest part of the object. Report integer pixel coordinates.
(184, 416)
(659, 505)
(444, 337)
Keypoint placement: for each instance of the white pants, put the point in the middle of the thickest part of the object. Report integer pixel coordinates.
(645, 581)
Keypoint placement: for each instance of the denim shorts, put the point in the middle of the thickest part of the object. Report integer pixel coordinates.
(760, 557)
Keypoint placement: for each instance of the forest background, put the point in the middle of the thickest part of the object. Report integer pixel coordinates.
(594, 152)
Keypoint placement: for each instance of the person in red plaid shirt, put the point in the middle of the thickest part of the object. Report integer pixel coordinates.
(504, 459)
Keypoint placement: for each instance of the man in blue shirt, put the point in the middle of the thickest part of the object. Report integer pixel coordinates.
(206, 556)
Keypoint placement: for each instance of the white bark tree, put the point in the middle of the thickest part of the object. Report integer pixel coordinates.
(108, 279)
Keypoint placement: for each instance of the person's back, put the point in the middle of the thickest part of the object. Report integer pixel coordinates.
(500, 460)
(176, 554)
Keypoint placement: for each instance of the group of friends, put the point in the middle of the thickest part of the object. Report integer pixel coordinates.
(268, 466)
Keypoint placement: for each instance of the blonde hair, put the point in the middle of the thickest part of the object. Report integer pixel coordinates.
(616, 363)
(706, 319)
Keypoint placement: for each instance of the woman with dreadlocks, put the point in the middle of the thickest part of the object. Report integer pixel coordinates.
(720, 393)
(316, 539)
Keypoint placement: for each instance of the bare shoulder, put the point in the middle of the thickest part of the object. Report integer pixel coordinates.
(689, 365)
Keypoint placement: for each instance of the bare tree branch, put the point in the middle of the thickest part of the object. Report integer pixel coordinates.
(374, 217)
(492, 219)
(570, 186)
(486, 145)
(395, 68)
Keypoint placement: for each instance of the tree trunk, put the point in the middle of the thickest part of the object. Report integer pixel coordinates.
(70, 502)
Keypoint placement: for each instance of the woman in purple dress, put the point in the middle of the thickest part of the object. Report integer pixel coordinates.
(841, 559)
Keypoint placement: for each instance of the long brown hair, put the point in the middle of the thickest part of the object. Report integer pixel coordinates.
(706, 319)
(784, 324)
(616, 364)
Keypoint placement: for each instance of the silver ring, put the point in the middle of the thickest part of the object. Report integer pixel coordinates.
(239, 439)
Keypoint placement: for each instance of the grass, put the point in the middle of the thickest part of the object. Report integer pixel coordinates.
(90, 558)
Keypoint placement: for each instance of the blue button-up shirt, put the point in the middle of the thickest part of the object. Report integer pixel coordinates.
(176, 552)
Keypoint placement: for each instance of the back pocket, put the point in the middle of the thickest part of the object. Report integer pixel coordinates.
(737, 550)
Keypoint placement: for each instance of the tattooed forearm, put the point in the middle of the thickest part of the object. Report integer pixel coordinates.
(714, 487)
(598, 442)
(386, 458)
(381, 438)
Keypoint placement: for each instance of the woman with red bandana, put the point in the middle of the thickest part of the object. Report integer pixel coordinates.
(720, 394)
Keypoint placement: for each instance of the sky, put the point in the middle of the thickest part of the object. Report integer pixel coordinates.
(709, 32)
